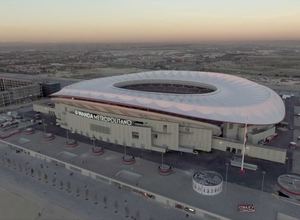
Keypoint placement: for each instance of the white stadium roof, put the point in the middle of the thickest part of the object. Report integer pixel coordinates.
(227, 98)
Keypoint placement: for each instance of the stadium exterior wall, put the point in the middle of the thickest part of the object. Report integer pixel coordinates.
(155, 132)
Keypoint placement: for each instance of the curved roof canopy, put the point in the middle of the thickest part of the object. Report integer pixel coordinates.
(203, 95)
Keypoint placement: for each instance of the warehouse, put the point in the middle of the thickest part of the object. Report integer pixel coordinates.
(164, 111)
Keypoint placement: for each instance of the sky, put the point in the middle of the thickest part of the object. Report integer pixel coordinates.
(148, 20)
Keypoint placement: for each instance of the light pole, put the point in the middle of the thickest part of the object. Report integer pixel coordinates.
(44, 126)
(67, 135)
(244, 148)
(263, 180)
(162, 160)
(226, 175)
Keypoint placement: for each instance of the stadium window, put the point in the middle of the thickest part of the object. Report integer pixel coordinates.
(165, 128)
(155, 136)
(135, 135)
(228, 149)
(233, 150)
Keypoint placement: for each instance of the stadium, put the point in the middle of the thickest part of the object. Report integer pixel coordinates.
(162, 111)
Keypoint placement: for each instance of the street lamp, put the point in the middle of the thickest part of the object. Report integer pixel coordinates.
(67, 135)
(226, 175)
(263, 180)
(44, 126)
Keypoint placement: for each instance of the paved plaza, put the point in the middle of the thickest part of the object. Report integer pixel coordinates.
(177, 186)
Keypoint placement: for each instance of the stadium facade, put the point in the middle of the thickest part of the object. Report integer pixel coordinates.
(164, 111)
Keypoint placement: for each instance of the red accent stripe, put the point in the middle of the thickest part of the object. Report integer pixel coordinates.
(291, 192)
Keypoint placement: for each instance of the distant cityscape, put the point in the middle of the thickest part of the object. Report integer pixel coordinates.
(82, 61)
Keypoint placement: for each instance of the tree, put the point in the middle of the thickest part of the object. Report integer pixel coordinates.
(95, 198)
(46, 178)
(14, 164)
(137, 215)
(61, 184)
(54, 181)
(126, 209)
(68, 186)
(116, 205)
(105, 201)
(20, 167)
(77, 191)
(39, 174)
(86, 194)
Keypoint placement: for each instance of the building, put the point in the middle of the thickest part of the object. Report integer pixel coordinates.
(164, 111)
(14, 91)
(50, 87)
(207, 182)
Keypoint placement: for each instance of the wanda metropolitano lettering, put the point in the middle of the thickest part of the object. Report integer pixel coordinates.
(103, 118)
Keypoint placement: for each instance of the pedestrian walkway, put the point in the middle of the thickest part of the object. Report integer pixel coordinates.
(177, 186)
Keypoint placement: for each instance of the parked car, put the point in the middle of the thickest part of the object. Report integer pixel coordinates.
(244, 207)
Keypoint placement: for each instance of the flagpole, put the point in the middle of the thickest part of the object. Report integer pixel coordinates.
(244, 148)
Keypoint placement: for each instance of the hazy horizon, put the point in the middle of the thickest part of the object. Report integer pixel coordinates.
(141, 21)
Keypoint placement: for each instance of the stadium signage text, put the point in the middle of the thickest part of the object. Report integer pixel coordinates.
(103, 118)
